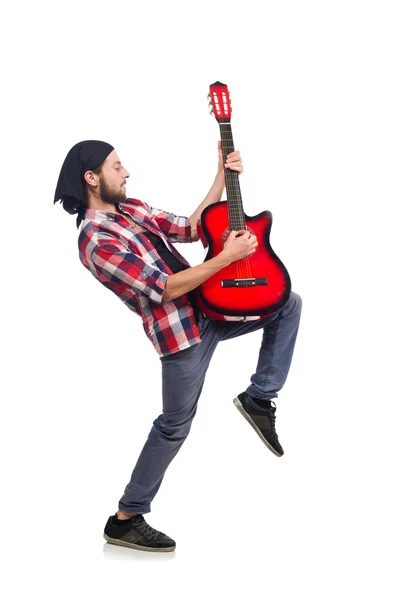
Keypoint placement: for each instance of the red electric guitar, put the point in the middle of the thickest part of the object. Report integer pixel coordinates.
(253, 287)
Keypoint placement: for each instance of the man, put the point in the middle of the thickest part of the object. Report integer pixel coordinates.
(127, 245)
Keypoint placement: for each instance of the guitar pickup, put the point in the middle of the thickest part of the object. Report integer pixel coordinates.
(247, 282)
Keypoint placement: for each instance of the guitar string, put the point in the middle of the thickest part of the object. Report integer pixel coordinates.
(230, 189)
(244, 269)
(234, 177)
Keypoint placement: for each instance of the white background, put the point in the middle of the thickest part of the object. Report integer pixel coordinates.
(313, 87)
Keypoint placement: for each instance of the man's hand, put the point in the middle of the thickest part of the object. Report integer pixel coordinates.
(239, 244)
(233, 161)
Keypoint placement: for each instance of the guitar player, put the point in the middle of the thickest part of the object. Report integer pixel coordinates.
(128, 246)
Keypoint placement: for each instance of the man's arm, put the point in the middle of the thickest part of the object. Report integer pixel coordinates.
(176, 228)
(234, 163)
(122, 271)
(239, 244)
(214, 195)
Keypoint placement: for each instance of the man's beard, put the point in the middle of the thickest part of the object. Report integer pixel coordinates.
(108, 195)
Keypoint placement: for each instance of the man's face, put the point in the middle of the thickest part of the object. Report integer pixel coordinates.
(112, 180)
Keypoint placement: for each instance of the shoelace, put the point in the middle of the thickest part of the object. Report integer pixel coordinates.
(272, 418)
(145, 529)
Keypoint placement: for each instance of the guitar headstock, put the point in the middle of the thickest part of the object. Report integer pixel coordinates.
(220, 102)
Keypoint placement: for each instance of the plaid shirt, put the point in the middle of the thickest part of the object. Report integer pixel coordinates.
(126, 262)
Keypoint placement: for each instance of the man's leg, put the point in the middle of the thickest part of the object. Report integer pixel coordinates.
(275, 356)
(278, 342)
(183, 376)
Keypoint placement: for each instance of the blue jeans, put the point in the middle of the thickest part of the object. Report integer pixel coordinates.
(183, 375)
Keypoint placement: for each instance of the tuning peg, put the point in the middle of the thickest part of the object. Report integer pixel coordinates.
(211, 112)
(209, 96)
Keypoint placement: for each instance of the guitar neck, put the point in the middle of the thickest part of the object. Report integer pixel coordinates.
(233, 192)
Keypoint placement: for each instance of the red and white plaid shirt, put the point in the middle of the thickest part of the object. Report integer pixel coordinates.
(126, 262)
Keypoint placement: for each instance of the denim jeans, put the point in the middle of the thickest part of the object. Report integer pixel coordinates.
(183, 375)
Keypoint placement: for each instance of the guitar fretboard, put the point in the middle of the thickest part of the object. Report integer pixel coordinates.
(233, 192)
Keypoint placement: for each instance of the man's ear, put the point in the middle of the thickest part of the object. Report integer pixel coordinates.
(90, 178)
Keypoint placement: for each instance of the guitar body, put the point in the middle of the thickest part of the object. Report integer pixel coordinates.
(224, 301)
(253, 287)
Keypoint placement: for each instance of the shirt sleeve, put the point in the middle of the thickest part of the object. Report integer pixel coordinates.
(177, 229)
(123, 271)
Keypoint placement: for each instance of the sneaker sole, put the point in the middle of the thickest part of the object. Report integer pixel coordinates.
(117, 542)
(246, 416)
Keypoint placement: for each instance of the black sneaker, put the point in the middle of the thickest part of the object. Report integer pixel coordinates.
(263, 420)
(136, 533)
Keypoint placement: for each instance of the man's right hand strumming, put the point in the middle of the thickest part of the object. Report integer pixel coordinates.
(240, 244)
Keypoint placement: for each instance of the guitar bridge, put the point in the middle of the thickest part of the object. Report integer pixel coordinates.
(246, 282)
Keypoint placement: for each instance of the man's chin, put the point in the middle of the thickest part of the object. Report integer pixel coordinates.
(123, 195)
